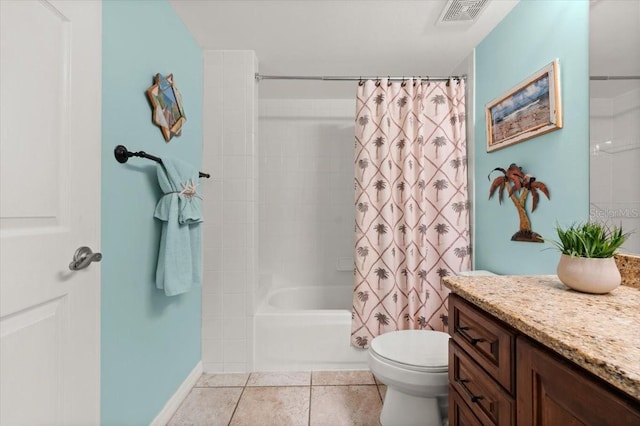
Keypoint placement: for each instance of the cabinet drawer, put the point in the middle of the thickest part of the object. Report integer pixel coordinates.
(490, 343)
(459, 413)
(488, 401)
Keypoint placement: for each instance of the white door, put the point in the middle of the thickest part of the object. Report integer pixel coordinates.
(50, 85)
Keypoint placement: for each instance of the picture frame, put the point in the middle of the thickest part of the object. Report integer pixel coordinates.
(166, 102)
(531, 108)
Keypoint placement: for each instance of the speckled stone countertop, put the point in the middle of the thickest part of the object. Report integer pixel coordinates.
(600, 333)
(629, 266)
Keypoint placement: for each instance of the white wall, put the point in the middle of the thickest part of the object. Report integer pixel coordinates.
(230, 234)
(306, 191)
(615, 155)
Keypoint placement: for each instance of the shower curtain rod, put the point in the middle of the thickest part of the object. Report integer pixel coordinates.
(396, 78)
(614, 77)
(353, 78)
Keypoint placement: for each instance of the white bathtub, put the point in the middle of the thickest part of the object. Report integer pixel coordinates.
(306, 328)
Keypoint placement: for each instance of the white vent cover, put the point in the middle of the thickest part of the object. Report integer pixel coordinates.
(462, 11)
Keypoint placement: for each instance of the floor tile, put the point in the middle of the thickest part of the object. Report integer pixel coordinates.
(222, 380)
(324, 378)
(273, 406)
(207, 406)
(280, 378)
(345, 405)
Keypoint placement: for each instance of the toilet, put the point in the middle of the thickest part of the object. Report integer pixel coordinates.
(413, 364)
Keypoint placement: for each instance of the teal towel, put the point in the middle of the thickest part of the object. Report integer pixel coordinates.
(179, 209)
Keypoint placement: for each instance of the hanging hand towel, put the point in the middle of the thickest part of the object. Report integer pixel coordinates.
(179, 257)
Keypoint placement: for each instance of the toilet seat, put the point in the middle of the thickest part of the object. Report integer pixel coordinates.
(416, 350)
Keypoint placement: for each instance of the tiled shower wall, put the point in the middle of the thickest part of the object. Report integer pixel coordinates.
(230, 233)
(306, 192)
(615, 155)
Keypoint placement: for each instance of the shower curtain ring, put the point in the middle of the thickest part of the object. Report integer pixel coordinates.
(360, 83)
(389, 81)
(404, 82)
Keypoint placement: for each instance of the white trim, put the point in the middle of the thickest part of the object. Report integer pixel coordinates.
(174, 402)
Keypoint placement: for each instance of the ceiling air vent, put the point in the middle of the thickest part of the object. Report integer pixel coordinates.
(462, 11)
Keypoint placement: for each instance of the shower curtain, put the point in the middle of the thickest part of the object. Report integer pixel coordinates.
(412, 207)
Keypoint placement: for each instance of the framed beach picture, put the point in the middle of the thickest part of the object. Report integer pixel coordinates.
(527, 110)
(166, 101)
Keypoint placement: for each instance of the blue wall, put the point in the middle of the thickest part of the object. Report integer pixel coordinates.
(530, 37)
(150, 342)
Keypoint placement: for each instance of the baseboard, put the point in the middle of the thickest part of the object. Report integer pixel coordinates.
(174, 402)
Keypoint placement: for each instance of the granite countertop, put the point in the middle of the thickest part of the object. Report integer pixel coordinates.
(629, 266)
(600, 333)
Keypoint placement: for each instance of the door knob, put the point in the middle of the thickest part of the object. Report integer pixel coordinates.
(83, 257)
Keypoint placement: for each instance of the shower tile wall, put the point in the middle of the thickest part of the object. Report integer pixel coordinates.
(230, 234)
(614, 165)
(306, 214)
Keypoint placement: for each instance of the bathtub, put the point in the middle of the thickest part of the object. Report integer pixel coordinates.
(306, 328)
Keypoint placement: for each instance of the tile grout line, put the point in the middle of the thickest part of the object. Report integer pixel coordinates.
(236, 407)
(239, 398)
(309, 417)
(310, 396)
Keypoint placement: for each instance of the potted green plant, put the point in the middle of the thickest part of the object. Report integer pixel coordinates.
(587, 263)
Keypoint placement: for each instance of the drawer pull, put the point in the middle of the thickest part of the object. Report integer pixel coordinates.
(472, 340)
(474, 398)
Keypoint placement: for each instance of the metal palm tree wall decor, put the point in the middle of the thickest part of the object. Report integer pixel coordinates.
(519, 186)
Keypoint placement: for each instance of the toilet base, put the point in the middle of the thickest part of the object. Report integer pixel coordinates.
(401, 409)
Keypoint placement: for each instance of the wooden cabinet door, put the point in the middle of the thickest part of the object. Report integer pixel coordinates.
(551, 391)
(459, 413)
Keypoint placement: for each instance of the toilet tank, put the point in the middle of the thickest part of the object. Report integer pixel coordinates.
(477, 273)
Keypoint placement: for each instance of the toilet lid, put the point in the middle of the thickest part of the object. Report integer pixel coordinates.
(422, 349)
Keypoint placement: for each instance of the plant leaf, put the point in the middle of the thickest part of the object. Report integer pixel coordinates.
(593, 240)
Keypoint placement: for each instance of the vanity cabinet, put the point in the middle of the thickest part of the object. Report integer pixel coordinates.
(500, 377)
(552, 391)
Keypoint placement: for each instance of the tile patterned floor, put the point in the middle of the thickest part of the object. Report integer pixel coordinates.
(318, 398)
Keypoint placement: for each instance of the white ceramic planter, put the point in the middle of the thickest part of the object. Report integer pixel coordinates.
(589, 275)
